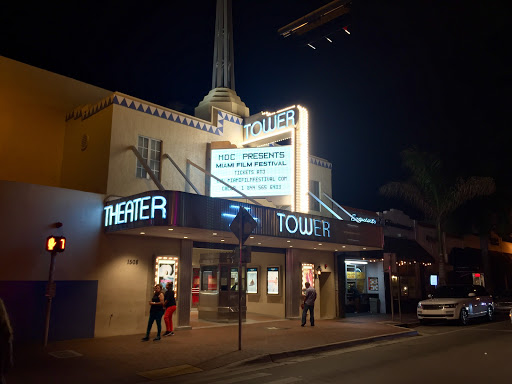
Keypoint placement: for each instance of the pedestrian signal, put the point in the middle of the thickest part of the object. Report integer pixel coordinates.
(56, 244)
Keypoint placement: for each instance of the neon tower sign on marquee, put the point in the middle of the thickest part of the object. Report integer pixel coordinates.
(267, 128)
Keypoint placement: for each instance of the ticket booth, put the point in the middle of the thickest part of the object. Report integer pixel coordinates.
(219, 285)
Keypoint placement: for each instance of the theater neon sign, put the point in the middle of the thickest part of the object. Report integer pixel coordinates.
(306, 226)
(142, 208)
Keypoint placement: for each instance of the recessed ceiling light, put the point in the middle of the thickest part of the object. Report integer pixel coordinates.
(335, 250)
(214, 233)
(143, 233)
(342, 246)
(364, 248)
(291, 246)
(319, 243)
(314, 248)
(288, 241)
(222, 240)
(170, 229)
(185, 237)
(251, 237)
(259, 243)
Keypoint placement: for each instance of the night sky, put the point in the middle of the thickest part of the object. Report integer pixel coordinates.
(430, 74)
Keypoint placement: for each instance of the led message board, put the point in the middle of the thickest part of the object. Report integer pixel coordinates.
(256, 172)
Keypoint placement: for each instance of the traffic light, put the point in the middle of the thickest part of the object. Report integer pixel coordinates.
(56, 244)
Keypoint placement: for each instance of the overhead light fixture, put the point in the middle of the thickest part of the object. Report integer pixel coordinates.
(288, 241)
(251, 237)
(355, 262)
(343, 246)
(329, 40)
(319, 243)
(346, 30)
(143, 233)
(185, 237)
(222, 240)
(259, 243)
(170, 229)
(214, 234)
(311, 46)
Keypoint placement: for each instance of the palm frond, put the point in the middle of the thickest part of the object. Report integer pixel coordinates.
(465, 190)
(411, 194)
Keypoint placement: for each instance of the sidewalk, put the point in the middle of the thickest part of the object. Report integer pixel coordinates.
(125, 359)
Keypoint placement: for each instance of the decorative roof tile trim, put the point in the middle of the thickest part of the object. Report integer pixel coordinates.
(85, 112)
(320, 162)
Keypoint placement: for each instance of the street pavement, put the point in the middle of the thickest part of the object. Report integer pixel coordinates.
(125, 359)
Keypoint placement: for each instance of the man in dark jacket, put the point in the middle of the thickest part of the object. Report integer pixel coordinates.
(309, 305)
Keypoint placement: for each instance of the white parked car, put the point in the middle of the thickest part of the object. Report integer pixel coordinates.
(456, 302)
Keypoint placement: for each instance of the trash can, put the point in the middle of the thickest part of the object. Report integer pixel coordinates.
(374, 305)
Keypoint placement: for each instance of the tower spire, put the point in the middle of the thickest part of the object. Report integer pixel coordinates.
(223, 95)
(223, 58)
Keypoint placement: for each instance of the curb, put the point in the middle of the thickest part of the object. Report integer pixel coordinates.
(274, 357)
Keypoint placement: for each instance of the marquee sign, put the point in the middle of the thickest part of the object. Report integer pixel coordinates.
(256, 172)
(180, 209)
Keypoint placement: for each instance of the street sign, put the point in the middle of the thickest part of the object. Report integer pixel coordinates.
(248, 224)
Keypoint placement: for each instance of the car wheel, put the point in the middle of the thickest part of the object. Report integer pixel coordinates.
(490, 313)
(463, 318)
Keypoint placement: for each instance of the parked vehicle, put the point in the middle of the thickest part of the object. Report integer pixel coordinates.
(456, 302)
(503, 302)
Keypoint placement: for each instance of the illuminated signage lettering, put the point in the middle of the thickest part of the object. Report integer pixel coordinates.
(142, 208)
(306, 226)
(363, 219)
(269, 124)
(256, 172)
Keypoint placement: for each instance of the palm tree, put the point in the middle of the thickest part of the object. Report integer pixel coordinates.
(428, 191)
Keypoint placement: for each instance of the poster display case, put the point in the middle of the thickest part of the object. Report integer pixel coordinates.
(166, 270)
(373, 284)
(252, 280)
(273, 281)
(308, 275)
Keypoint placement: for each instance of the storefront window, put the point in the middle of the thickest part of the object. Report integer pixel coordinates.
(356, 279)
(208, 278)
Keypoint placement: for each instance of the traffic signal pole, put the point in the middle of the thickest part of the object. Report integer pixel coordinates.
(50, 293)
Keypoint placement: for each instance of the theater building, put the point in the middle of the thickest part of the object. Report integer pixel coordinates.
(146, 195)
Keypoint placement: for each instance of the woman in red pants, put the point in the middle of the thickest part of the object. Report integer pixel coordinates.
(170, 307)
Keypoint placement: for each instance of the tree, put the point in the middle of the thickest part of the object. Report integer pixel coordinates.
(433, 195)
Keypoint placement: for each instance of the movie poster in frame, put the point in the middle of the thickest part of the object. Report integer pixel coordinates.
(166, 270)
(252, 280)
(373, 284)
(273, 281)
(308, 275)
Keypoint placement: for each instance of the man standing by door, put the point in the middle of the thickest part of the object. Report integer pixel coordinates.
(309, 305)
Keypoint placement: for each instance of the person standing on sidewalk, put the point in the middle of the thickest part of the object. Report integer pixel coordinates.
(5, 342)
(309, 305)
(155, 313)
(170, 307)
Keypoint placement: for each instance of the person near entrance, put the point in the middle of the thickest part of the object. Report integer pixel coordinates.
(170, 307)
(309, 305)
(155, 313)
